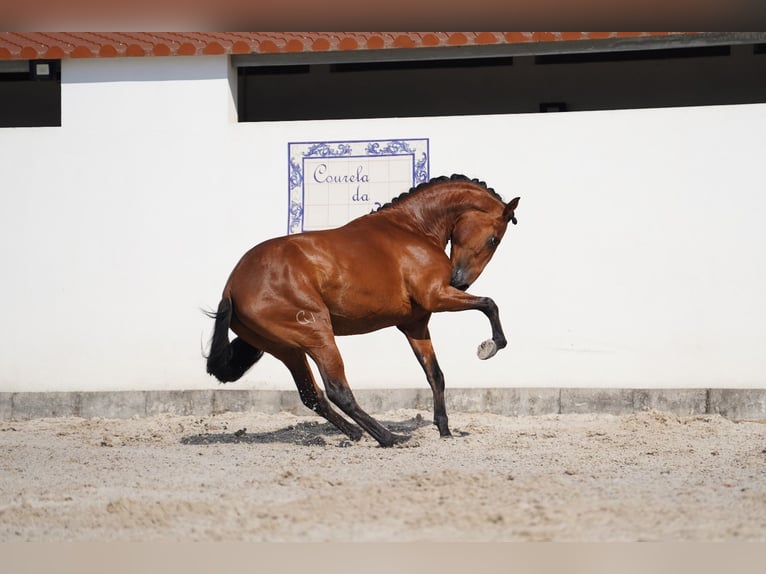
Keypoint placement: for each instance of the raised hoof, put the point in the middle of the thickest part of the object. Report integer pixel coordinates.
(487, 349)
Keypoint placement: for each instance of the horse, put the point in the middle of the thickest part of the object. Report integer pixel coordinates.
(291, 296)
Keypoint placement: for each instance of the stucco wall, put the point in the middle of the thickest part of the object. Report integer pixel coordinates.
(638, 259)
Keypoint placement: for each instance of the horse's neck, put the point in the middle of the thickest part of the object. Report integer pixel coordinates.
(434, 212)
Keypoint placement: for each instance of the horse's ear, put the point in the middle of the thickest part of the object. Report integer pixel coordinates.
(508, 212)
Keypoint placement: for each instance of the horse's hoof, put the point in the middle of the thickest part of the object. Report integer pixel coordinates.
(487, 349)
(394, 440)
(355, 434)
(443, 427)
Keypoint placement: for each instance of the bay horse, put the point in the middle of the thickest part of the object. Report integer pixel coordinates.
(290, 296)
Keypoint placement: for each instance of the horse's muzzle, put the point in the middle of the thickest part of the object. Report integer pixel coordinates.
(458, 279)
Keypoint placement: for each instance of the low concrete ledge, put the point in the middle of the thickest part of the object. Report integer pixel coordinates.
(736, 404)
(623, 401)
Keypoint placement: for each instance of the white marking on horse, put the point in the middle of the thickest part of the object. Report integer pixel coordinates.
(305, 317)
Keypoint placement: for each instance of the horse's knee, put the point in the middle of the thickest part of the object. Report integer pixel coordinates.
(488, 305)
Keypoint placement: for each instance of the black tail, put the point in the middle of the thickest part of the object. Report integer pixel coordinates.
(228, 361)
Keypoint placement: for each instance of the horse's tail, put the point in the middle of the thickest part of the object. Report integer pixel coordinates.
(228, 361)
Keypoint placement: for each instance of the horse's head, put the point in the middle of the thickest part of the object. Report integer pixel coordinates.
(474, 239)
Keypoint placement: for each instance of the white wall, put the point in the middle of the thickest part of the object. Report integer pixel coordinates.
(638, 259)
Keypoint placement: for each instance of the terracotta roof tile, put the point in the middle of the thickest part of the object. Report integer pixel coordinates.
(59, 45)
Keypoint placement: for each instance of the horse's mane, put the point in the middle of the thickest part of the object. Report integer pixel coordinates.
(437, 180)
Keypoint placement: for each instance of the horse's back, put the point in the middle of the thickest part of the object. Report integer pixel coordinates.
(357, 272)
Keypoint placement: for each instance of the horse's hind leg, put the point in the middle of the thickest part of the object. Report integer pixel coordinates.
(312, 396)
(420, 340)
(330, 363)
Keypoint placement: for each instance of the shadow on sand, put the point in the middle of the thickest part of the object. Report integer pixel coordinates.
(308, 433)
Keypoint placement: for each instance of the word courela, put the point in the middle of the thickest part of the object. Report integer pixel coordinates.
(321, 175)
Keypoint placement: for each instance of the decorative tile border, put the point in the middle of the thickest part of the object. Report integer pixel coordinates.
(333, 182)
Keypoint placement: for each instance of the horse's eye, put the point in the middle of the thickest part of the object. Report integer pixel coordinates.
(493, 241)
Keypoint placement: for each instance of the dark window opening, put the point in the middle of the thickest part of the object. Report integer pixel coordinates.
(421, 65)
(30, 93)
(369, 90)
(695, 76)
(548, 107)
(634, 55)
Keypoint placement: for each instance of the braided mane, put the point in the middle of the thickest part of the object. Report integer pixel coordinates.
(437, 180)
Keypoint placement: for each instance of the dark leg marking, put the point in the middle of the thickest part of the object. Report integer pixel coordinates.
(313, 397)
(419, 339)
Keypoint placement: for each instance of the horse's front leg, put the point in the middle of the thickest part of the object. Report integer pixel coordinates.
(420, 340)
(448, 298)
(498, 341)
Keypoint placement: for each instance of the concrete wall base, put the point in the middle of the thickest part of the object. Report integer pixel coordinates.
(736, 404)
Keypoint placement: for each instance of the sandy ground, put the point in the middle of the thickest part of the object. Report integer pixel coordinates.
(257, 477)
